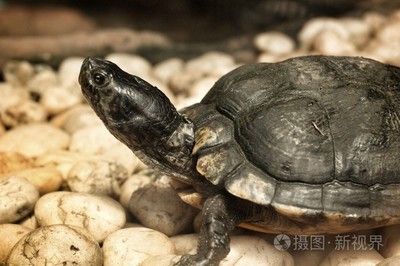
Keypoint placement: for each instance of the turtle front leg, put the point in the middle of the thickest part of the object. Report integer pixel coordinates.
(217, 222)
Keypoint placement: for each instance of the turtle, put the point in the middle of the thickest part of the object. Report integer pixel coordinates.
(308, 145)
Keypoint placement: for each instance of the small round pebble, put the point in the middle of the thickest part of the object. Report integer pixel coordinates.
(255, 251)
(75, 118)
(63, 160)
(185, 244)
(97, 177)
(132, 184)
(45, 179)
(98, 214)
(17, 199)
(92, 140)
(211, 63)
(34, 140)
(166, 69)
(18, 73)
(274, 42)
(68, 71)
(23, 112)
(158, 206)
(132, 64)
(11, 161)
(131, 246)
(352, 258)
(58, 99)
(10, 234)
(56, 245)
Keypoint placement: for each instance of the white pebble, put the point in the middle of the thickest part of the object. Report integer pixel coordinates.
(56, 245)
(158, 206)
(17, 199)
(68, 72)
(58, 99)
(132, 184)
(274, 42)
(92, 140)
(97, 177)
(10, 234)
(131, 246)
(211, 63)
(166, 69)
(133, 64)
(33, 140)
(75, 118)
(98, 214)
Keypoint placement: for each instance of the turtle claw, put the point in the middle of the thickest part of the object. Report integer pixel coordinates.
(193, 260)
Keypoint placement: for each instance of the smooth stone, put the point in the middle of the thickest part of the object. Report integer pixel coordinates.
(133, 64)
(359, 31)
(68, 71)
(162, 260)
(168, 68)
(391, 241)
(34, 140)
(132, 184)
(58, 99)
(211, 63)
(100, 215)
(30, 222)
(181, 82)
(185, 244)
(11, 161)
(45, 78)
(131, 246)
(45, 179)
(392, 261)
(273, 42)
(18, 73)
(97, 177)
(352, 258)
(63, 160)
(249, 250)
(196, 92)
(24, 112)
(158, 206)
(17, 199)
(75, 118)
(389, 32)
(330, 43)
(56, 245)
(374, 20)
(92, 140)
(10, 234)
(119, 153)
(316, 26)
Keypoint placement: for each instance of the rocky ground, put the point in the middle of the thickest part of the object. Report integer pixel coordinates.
(71, 194)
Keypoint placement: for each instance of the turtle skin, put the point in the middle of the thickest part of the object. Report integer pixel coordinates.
(315, 138)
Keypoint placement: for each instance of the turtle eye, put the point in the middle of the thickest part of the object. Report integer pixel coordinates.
(99, 79)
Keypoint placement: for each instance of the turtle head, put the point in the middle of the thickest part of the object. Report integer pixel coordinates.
(137, 113)
(131, 108)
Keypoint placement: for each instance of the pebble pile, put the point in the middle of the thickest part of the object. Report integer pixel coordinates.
(71, 194)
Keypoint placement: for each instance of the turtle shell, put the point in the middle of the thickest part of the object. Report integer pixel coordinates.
(308, 136)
